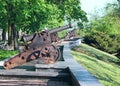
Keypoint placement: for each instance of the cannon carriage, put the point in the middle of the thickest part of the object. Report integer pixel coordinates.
(38, 45)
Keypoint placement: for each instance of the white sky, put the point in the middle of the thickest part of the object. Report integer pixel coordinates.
(89, 6)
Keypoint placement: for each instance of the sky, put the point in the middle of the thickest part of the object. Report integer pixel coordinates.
(89, 6)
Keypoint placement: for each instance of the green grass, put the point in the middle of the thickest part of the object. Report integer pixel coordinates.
(6, 54)
(105, 67)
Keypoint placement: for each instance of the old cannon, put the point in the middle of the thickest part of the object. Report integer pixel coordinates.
(38, 45)
(70, 34)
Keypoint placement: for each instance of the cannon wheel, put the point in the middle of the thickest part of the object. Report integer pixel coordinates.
(49, 54)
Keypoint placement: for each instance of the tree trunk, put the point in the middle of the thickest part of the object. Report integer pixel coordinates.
(9, 9)
(15, 37)
(12, 32)
(10, 37)
(4, 34)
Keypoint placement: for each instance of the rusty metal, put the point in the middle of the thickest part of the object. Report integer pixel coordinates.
(49, 54)
(70, 34)
(38, 45)
(21, 58)
(54, 37)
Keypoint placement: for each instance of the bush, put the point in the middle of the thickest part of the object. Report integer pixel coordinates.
(103, 41)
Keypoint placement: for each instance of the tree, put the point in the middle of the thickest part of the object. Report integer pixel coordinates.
(33, 15)
(105, 30)
(70, 10)
(3, 19)
(27, 15)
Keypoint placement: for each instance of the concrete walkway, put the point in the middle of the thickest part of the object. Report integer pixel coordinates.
(83, 77)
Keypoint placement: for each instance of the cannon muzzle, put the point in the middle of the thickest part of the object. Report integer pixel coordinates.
(60, 28)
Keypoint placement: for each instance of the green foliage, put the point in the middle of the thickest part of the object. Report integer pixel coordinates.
(105, 67)
(42, 15)
(109, 22)
(3, 14)
(70, 10)
(113, 9)
(103, 41)
(6, 54)
(31, 16)
(34, 15)
(104, 32)
(106, 24)
(62, 34)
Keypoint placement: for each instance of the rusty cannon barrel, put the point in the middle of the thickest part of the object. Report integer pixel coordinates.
(53, 32)
(60, 28)
(40, 46)
(71, 34)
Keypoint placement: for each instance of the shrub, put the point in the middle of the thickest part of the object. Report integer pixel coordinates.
(103, 41)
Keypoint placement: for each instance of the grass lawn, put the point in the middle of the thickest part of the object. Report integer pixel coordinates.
(6, 54)
(105, 67)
